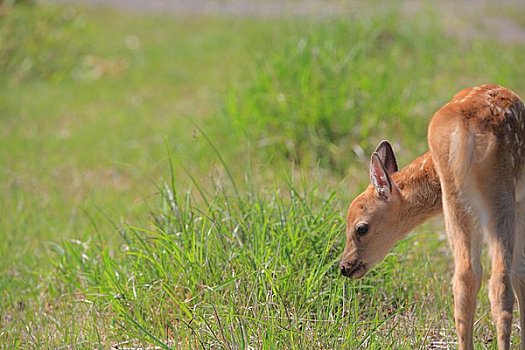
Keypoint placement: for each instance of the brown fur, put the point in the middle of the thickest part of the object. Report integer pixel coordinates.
(474, 174)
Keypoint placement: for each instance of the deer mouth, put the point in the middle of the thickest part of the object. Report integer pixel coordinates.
(356, 270)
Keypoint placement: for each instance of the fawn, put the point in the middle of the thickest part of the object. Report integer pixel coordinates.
(474, 175)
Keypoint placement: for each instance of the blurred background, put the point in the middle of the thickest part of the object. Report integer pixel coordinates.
(99, 98)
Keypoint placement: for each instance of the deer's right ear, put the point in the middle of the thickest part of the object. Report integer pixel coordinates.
(388, 158)
(379, 177)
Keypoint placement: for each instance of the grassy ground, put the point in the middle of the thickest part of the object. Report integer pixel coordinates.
(181, 181)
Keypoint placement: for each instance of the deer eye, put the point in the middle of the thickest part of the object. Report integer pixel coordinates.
(361, 228)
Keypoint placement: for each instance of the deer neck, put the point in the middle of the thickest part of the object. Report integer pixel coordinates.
(419, 185)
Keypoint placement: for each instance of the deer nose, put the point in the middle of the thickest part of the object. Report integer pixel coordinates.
(344, 270)
(348, 269)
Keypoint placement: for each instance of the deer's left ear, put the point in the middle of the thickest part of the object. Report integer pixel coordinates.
(380, 177)
(386, 153)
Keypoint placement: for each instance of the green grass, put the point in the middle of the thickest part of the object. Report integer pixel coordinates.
(181, 182)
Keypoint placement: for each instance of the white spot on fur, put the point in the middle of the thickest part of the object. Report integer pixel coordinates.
(422, 167)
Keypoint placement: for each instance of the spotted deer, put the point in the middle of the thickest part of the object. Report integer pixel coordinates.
(474, 175)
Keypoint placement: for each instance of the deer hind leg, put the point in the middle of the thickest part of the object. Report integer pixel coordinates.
(518, 268)
(500, 231)
(477, 192)
(465, 239)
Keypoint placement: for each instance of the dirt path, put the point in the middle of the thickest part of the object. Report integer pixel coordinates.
(466, 19)
(244, 8)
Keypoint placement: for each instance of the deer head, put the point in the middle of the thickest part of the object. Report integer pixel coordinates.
(373, 222)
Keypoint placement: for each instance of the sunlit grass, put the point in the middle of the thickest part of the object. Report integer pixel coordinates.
(266, 125)
(255, 270)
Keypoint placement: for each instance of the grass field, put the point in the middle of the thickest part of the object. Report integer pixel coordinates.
(181, 181)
